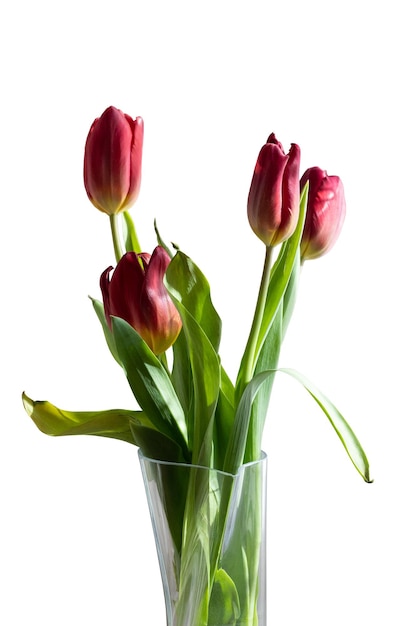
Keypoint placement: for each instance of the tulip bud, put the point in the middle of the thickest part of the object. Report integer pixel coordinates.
(113, 161)
(274, 195)
(326, 209)
(137, 294)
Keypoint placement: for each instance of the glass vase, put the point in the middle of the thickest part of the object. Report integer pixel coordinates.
(209, 529)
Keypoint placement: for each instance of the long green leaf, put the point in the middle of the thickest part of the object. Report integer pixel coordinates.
(150, 383)
(188, 285)
(182, 378)
(268, 360)
(53, 421)
(201, 354)
(198, 359)
(224, 419)
(237, 444)
(205, 366)
(342, 428)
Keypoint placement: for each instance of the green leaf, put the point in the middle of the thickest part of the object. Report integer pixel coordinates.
(161, 242)
(150, 383)
(237, 442)
(342, 428)
(99, 309)
(154, 444)
(224, 607)
(187, 283)
(205, 368)
(201, 326)
(268, 360)
(53, 421)
(224, 419)
(182, 378)
(131, 239)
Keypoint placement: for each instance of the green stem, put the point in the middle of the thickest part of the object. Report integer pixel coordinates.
(118, 251)
(251, 346)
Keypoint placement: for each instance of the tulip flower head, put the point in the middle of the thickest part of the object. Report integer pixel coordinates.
(113, 161)
(137, 294)
(326, 209)
(274, 195)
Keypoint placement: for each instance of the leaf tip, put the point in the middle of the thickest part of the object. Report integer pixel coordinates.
(28, 404)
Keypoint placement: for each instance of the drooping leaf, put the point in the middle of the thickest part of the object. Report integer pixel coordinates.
(53, 421)
(342, 428)
(150, 383)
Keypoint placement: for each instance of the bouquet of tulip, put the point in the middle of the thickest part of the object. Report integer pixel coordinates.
(190, 413)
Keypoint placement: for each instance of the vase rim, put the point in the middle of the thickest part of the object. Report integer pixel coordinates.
(262, 460)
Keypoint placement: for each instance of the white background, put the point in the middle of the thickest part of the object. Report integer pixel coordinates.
(211, 81)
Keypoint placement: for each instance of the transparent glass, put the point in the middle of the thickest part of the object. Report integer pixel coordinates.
(209, 529)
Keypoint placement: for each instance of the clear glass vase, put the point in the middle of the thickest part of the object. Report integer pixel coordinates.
(209, 529)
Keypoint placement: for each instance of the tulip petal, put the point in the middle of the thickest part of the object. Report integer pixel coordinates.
(125, 288)
(113, 161)
(135, 159)
(274, 193)
(290, 196)
(104, 286)
(325, 213)
(160, 322)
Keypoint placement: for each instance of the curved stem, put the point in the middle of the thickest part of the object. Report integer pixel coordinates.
(250, 352)
(118, 251)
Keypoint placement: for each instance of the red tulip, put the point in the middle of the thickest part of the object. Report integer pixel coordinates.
(137, 294)
(274, 195)
(326, 209)
(113, 161)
